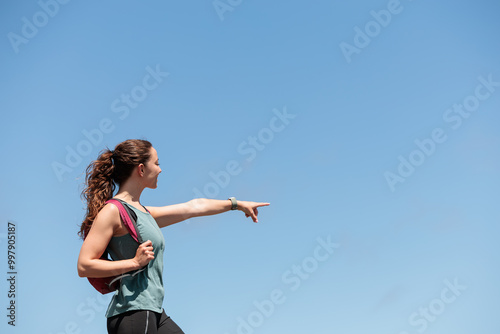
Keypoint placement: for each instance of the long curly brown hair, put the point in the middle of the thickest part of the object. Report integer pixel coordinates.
(111, 169)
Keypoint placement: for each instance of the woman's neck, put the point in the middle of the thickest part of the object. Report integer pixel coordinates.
(129, 193)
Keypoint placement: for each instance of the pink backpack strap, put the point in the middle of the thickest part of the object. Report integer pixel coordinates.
(131, 227)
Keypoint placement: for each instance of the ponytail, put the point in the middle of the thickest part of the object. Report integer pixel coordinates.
(99, 188)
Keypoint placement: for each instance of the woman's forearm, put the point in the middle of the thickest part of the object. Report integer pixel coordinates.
(208, 207)
(89, 266)
(104, 268)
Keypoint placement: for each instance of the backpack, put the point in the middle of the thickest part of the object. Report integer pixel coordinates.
(129, 218)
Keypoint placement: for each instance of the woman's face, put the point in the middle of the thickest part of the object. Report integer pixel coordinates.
(152, 170)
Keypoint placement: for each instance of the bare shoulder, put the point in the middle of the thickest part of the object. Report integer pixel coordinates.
(109, 216)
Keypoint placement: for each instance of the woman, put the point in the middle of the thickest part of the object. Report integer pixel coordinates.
(133, 166)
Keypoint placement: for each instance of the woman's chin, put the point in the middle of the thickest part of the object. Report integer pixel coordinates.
(152, 186)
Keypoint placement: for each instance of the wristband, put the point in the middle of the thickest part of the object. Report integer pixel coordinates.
(234, 203)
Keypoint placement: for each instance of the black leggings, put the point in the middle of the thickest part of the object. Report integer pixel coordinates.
(142, 322)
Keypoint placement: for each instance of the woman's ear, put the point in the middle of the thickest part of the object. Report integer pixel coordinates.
(140, 169)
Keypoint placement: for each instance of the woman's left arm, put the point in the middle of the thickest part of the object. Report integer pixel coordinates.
(171, 214)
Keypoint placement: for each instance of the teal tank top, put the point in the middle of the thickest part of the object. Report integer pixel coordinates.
(144, 291)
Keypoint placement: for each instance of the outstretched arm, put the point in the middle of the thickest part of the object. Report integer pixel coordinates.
(171, 214)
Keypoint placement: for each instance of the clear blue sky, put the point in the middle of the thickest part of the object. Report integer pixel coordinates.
(372, 128)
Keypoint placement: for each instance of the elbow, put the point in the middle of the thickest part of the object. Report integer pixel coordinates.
(196, 207)
(82, 272)
(196, 203)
